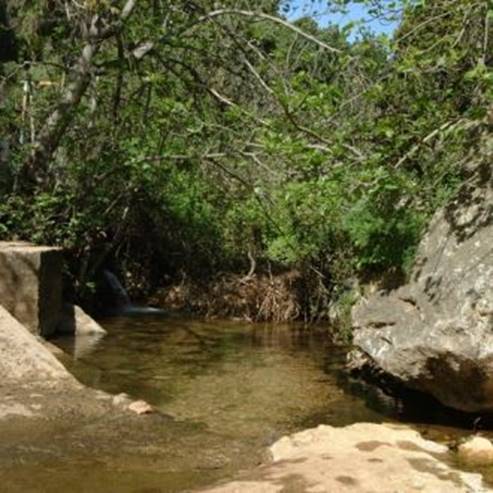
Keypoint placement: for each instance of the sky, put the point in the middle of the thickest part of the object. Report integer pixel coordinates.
(356, 12)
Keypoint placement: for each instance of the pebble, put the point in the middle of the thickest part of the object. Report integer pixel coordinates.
(476, 451)
(140, 407)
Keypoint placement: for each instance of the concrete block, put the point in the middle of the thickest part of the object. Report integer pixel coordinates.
(31, 285)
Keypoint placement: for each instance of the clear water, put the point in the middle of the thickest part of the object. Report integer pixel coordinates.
(254, 382)
(231, 388)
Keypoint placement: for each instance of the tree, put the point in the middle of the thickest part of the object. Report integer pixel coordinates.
(218, 133)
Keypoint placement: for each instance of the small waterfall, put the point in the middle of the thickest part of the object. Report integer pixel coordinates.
(123, 304)
(120, 293)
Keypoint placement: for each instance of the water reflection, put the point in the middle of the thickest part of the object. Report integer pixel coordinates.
(259, 381)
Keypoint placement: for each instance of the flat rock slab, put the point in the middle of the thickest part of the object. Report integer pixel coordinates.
(363, 457)
(31, 285)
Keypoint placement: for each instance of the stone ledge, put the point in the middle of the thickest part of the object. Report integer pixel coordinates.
(24, 246)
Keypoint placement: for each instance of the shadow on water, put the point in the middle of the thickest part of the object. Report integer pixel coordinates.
(423, 412)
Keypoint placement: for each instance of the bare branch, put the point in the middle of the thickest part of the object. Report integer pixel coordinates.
(271, 18)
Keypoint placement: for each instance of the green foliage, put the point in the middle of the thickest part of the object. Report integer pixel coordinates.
(237, 136)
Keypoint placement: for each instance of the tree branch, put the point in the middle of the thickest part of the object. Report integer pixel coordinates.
(271, 18)
(60, 118)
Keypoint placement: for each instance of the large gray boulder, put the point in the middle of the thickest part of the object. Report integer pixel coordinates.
(31, 285)
(435, 334)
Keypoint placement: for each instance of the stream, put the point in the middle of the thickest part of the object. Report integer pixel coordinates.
(231, 389)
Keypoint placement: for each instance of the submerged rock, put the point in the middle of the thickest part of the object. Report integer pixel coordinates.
(362, 457)
(435, 334)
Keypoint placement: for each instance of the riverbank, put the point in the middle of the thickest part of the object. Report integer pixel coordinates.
(254, 297)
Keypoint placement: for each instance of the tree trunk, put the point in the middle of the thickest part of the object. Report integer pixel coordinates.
(36, 165)
(56, 124)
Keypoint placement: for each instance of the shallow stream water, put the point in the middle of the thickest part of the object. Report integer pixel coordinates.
(232, 390)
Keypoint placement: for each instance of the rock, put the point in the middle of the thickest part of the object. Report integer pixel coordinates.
(53, 349)
(359, 458)
(24, 359)
(14, 409)
(31, 285)
(477, 451)
(76, 321)
(140, 407)
(435, 334)
(122, 400)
